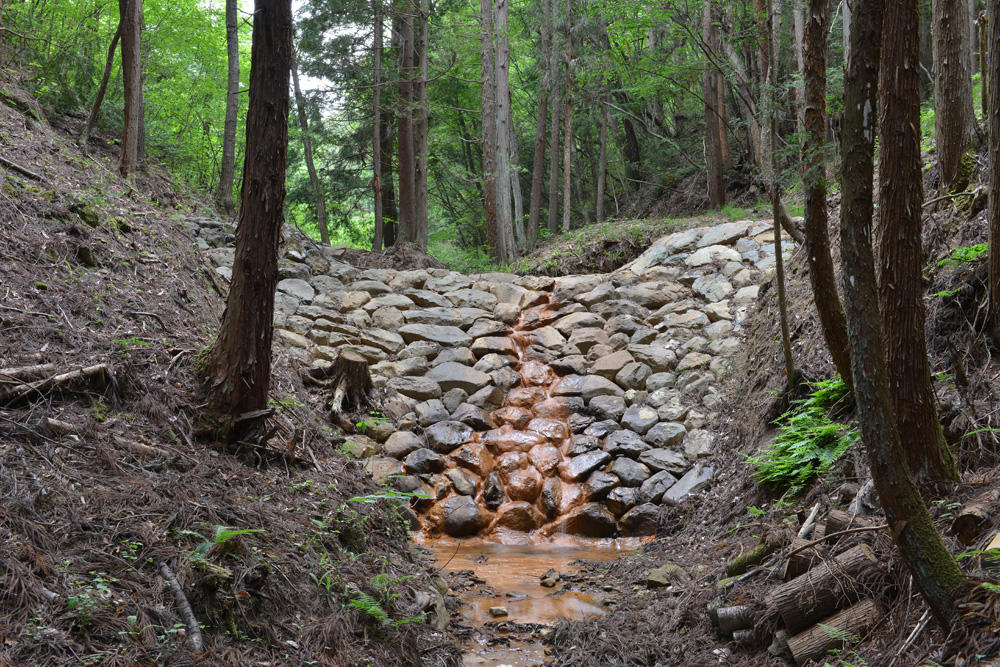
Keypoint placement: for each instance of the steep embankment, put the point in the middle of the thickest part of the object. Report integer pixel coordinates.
(286, 554)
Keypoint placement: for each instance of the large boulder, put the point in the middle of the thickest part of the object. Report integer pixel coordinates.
(520, 516)
(590, 520)
(445, 436)
(400, 444)
(462, 517)
(424, 461)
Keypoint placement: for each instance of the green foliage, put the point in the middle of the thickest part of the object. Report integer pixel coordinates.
(375, 607)
(808, 441)
(220, 535)
(89, 595)
(965, 255)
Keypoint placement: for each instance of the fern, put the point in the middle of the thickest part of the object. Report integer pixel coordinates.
(366, 603)
(808, 441)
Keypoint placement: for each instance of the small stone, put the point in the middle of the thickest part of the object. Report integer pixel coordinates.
(422, 461)
(599, 484)
(699, 443)
(695, 479)
(418, 388)
(607, 407)
(498, 612)
(451, 374)
(629, 472)
(652, 490)
(473, 416)
(625, 443)
(446, 436)
(621, 499)
(666, 434)
(579, 466)
(664, 459)
(401, 443)
(453, 398)
(462, 517)
(430, 412)
(665, 575)
(610, 365)
(640, 418)
(463, 482)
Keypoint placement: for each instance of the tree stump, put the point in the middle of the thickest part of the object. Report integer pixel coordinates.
(351, 381)
(832, 633)
(975, 516)
(799, 563)
(824, 589)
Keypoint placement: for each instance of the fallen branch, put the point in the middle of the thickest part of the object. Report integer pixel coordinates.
(139, 313)
(951, 196)
(10, 164)
(142, 450)
(89, 375)
(860, 529)
(183, 606)
(26, 373)
(756, 556)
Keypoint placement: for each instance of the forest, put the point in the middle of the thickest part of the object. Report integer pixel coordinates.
(291, 244)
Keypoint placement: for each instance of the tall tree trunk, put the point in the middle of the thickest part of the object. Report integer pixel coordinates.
(488, 102)
(224, 193)
(984, 101)
(602, 165)
(713, 145)
(542, 100)
(821, 274)
(933, 568)
(900, 254)
(102, 89)
(420, 131)
(720, 105)
(520, 237)
(379, 236)
(798, 37)
(506, 249)
(555, 109)
(405, 143)
(847, 16)
(390, 214)
(993, 125)
(307, 149)
(132, 75)
(568, 116)
(953, 114)
(771, 42)
(239, 364)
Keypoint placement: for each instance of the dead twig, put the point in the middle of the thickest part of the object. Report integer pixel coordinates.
(88, 374)
(10, 164)
(139, 313)
(183, 606)
(861, 529)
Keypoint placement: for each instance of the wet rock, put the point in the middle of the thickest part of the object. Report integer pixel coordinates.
(517, 417)
(641, 520)
(580, 466)
(417, 388)
(519, 515)
(487, 398)
(581, 444)
(570, 385)
(652, 490)
(505, 378)
(607, 407)
(629, 472)
(526, 397)
(406, 483)
(493, 494)
(595, 385)
(524, 484)
(621, 499)
(435, 333)
(475, 457)
(694, 480)
(465, 484)
(446, 436)
(430, 412)
(424, 461)
(453, 398)
(400, 444)
(551, 429)
(699, 443)
(545, 458)
(451, 375)
(639, 418)
(590, 520)
(559, 407)
(666, 434)
(473, 416)
(664, 459)
(498, 612)
(462, 517)
(603, 428)
(578, 422)
(551, 498)
(506, 439)
(598, 484)
(625, 443)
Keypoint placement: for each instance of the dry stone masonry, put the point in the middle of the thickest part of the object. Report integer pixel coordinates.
(523, 403)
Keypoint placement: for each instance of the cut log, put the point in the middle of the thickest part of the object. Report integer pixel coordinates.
(352, 381)
(824, 589)
(833, 633)
(974, 518)
(839, 520)
(755, 556)
(98, 376)
(800, 562)
(735, 618)
(26, 373)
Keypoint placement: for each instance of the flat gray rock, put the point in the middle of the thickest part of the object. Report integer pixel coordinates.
(298, 288)
(607, 407)
(424, 461)
(666, 434)
(639, 418)
(724, 234)
(415, 387)
(625, 443)
(595, 385)
(580, 466)
(629, 471)
(693, 481)
(652, 490)
(444, 437)
(664, 459)
(400, 444)
(435, 333)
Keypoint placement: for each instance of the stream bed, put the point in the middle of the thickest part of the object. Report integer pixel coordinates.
(509, 576)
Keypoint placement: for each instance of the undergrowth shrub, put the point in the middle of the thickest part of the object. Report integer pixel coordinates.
(808, 443)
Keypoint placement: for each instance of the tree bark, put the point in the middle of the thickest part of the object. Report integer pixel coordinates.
(933, 568)
(542, 99)
(379, 235)
(993, 214)
(224, 193)
(602, 165)
(984, 94)
(953, 114)
(821, 273)
(488, 111)
(568, 116)
(132, 75)
(900, 255)
(307, 149)
(102, 89)
(506, 249)
(713, 144)
(389, 211)
(818, 640)
(555, 109)
(405, 143)
(419, 235)
(798, 37)
(239, 364)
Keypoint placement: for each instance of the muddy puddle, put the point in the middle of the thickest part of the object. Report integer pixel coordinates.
(509, 576)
